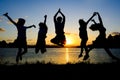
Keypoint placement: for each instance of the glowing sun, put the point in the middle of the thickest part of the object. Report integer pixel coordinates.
(69, 41)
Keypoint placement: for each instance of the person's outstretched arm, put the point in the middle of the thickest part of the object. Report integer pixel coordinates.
(100, 19)
(6, 14)
(91, 17)
(62, 16)
(31, 26)
(45, 19)
(56, 16)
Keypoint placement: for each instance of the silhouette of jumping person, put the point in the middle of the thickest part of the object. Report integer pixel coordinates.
(59, 22)
(21, 36)
(83, 35)
(101, 40)
(41, 43)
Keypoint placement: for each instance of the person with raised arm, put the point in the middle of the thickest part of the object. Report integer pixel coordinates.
(21, 36)
(83, 35)
(59, 22)
(41, 43)
(101, 40)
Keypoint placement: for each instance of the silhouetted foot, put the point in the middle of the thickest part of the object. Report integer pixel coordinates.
(17, 59)
(62, 45)
(20, 57)
(59, 44)
(80, 55)
(86, 57)
(36, 50)
(63, 42)
(43, 51)
(55, 41)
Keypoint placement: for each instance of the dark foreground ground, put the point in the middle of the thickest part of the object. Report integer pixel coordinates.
(69, 71)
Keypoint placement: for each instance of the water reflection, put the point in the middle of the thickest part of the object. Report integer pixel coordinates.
(56, 55)
(67, 55)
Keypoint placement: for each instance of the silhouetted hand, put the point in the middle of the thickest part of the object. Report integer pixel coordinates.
(34, 26)
(92, 20)
(6, 14)
(59, 10)
(95, 13)
(45, 16)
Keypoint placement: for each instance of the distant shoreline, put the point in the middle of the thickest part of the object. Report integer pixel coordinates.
(56, 46)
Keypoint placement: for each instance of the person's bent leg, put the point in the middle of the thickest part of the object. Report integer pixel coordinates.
(80, 55)
(111, 55)
(87, 52)
(25, 51)
(18, 54)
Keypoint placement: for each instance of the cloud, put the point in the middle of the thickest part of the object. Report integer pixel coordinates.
(115, 33)
(2, 30)
(26, 16)
(1, 18)
(10, 40)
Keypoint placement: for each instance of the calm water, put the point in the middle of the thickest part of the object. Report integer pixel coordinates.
(57, 56)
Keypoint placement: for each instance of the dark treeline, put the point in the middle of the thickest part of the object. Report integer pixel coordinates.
(113, 41)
